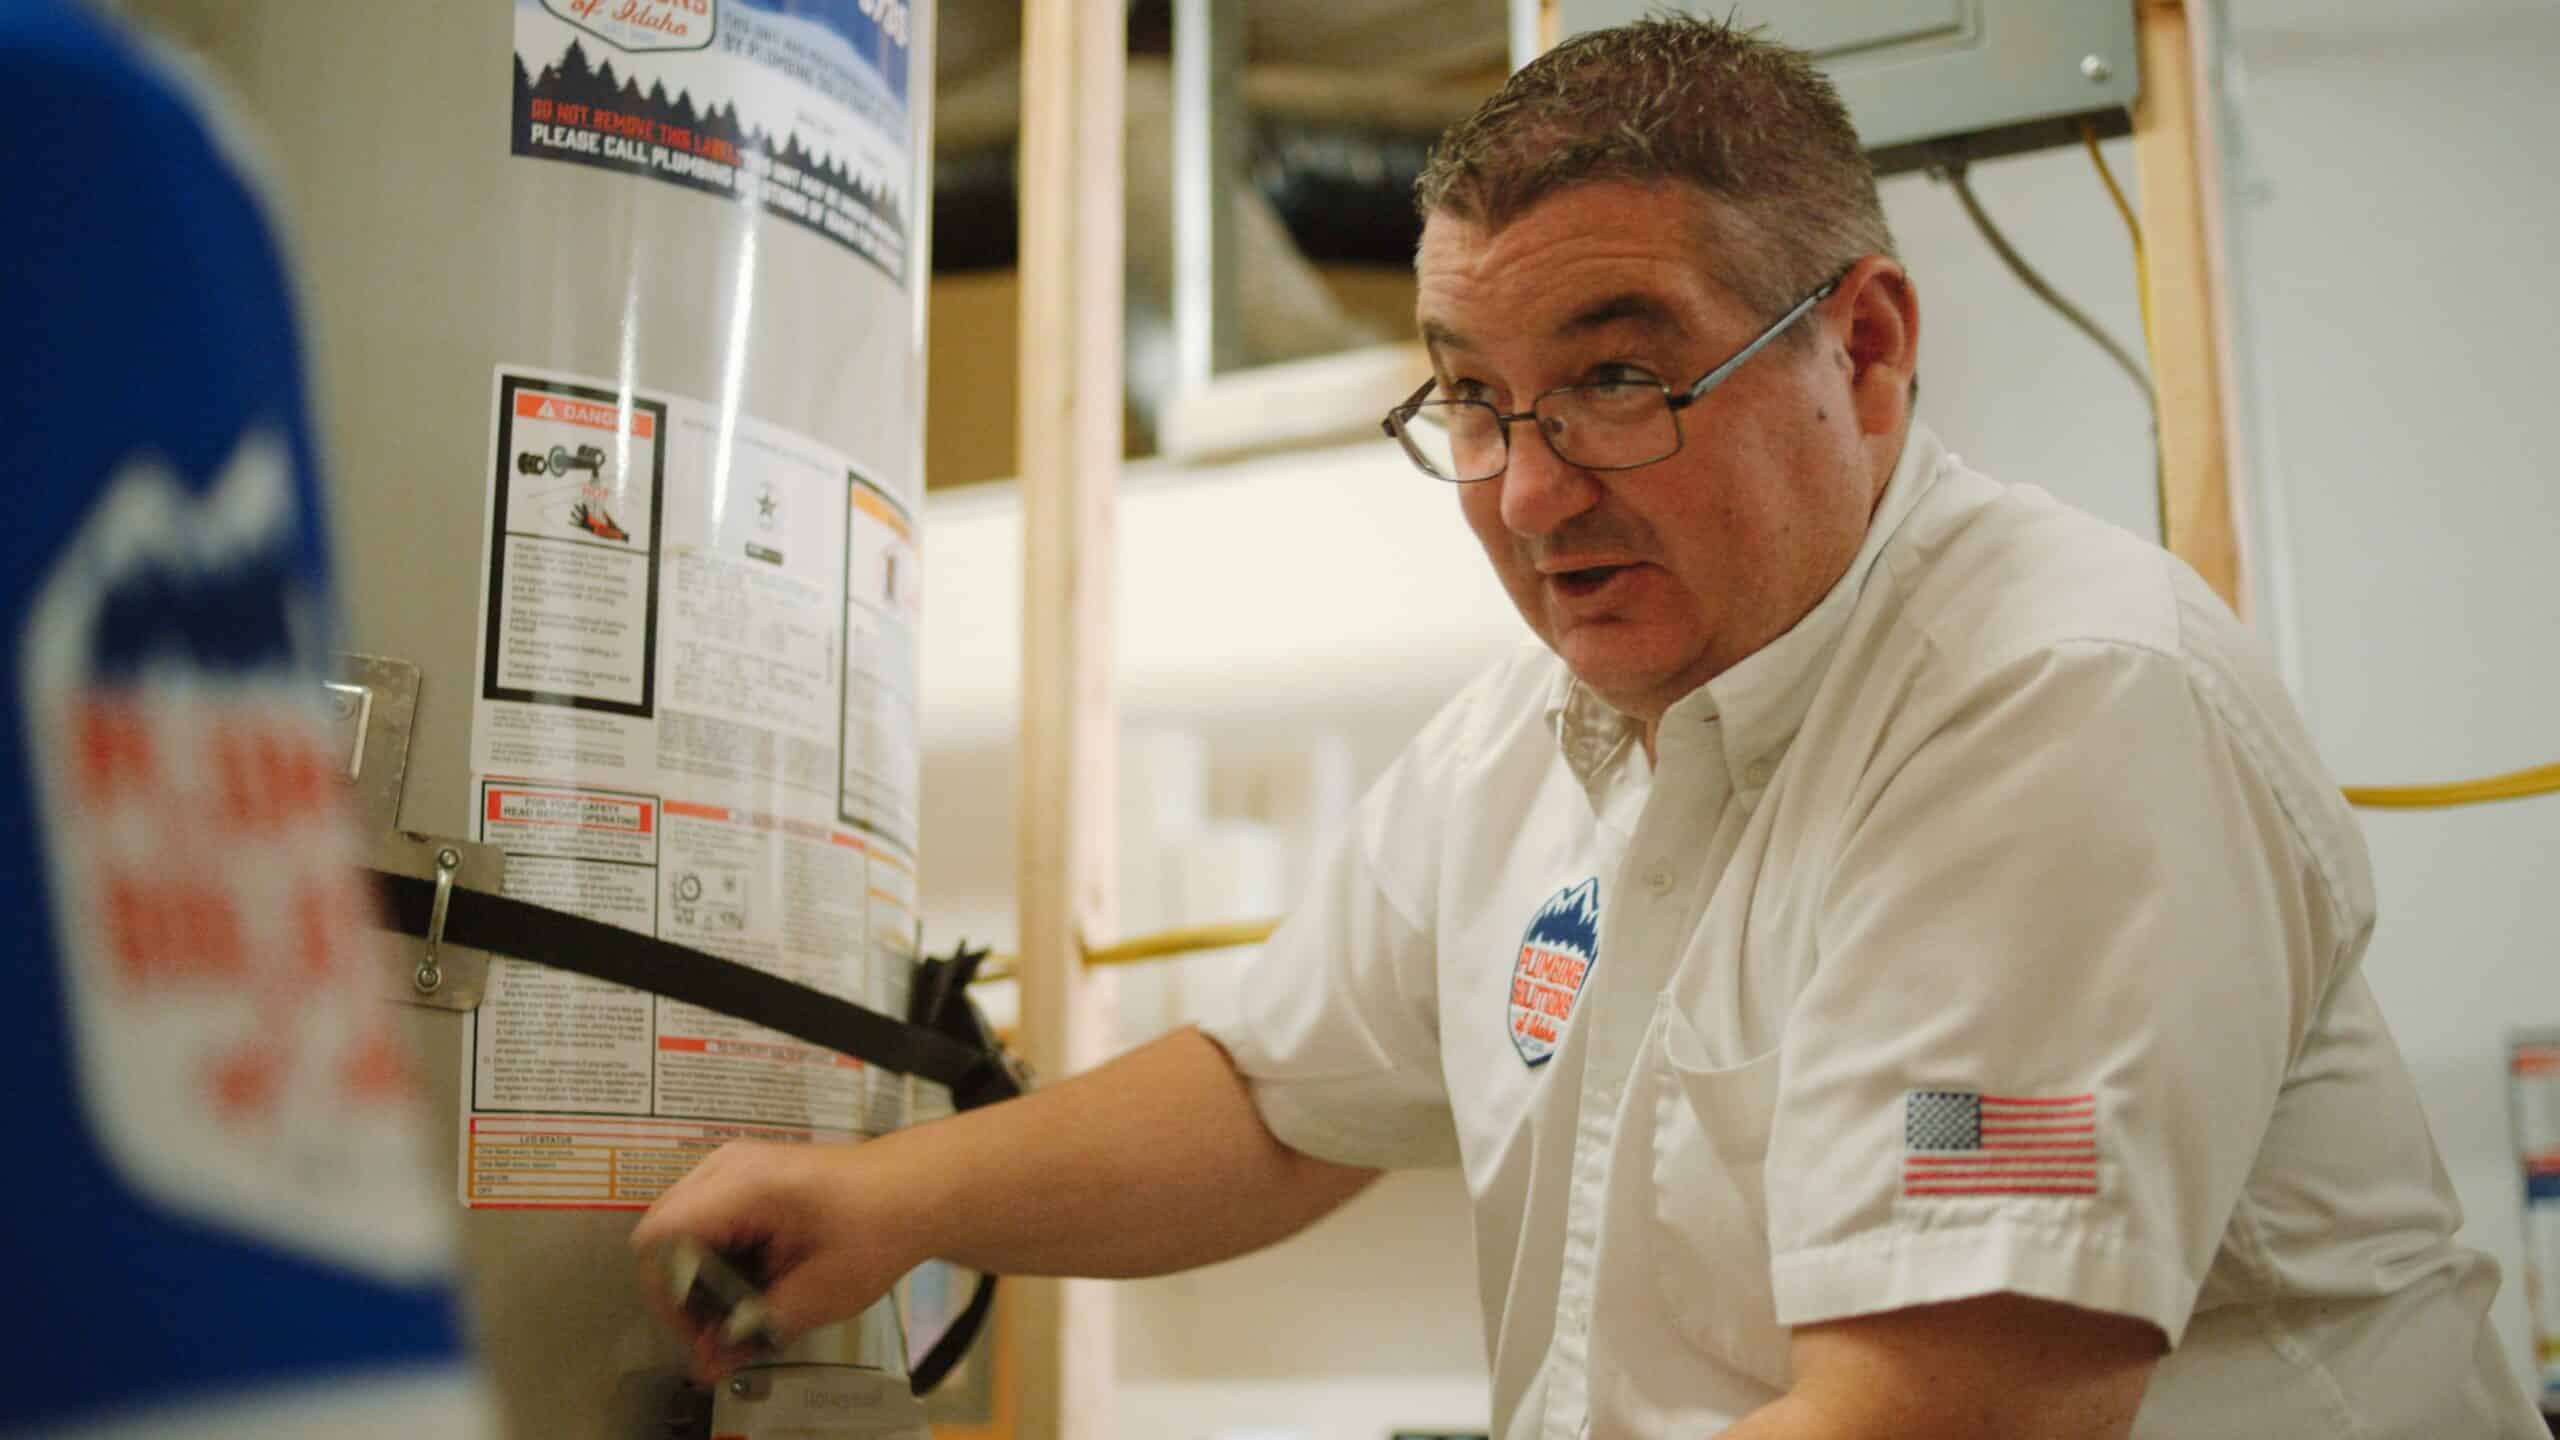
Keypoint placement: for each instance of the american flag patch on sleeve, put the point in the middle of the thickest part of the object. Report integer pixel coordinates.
(1963, 1142)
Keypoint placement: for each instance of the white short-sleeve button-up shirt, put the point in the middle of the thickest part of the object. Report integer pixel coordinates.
(1994, 929)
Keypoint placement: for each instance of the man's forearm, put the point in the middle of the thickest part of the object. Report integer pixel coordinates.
(1794, 1417)
(1997, 1367)
(1155, 1162)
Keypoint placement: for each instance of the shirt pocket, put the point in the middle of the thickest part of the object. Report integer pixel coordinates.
(1709, 1229)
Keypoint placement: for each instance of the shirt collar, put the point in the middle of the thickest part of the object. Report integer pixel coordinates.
(1761, 701)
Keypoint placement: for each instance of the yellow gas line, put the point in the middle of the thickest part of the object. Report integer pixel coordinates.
(2515, 785)
(1172, 944)
(1163, 945)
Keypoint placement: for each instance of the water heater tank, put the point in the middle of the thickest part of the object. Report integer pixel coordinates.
(619, 344)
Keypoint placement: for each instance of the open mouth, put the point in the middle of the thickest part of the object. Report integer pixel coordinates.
(1586, 581)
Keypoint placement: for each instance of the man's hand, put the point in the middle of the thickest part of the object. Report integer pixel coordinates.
(2003, 1367)
(804, 1220)
(1157, 1161)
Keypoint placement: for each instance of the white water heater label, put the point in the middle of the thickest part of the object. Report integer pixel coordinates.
(799, 108)
(884, 597)
(642, 24)
(695, 720)
(574, 562)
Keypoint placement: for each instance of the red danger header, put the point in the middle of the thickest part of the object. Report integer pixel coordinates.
(536, 405)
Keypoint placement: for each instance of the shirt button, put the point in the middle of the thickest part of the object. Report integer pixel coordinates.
(1658, 879)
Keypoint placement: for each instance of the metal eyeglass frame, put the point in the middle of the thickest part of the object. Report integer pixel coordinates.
(1673, 402)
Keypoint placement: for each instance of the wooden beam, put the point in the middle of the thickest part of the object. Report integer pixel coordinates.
(1074, 62)
(1533, 30)
(2172, 139)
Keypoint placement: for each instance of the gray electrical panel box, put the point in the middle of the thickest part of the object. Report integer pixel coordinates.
(1990, 77)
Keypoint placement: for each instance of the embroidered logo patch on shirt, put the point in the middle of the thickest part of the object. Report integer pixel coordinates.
(1556, 956)
(1963, 1142)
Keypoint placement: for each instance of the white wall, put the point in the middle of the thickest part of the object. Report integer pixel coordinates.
(2399, 238)
(1284, 625)
(2404, 329)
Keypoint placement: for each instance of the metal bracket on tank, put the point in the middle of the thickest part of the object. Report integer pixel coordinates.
(373, 711)
(433, 971)
(372, 707)
(822, 1402)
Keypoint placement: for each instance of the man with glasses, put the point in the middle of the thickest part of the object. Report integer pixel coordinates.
(1886, 961)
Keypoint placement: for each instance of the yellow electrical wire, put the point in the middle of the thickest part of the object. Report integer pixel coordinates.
(2540, 780)
(2133, 227)
(2142, 297)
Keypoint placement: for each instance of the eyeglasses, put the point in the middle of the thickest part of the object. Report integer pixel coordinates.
(1605, 425)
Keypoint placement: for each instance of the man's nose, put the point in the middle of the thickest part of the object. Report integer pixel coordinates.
(1541, 490)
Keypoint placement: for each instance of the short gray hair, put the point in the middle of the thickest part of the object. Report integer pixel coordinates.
(1747, 120)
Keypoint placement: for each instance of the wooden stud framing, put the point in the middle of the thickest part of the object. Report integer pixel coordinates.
(2171, 141)
(1074, 60)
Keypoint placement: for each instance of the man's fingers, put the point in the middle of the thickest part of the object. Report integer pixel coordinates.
(802, 1299)
(745, 1203)
(726, 1202)
(704, 1355)
(714, 1362)
(710, 1355)
(687, 1205)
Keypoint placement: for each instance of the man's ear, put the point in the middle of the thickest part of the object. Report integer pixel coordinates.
(1880, 335)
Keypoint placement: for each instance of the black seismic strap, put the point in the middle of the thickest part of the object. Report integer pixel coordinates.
(945, 1042)
(592, 948)
(940, 1001)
